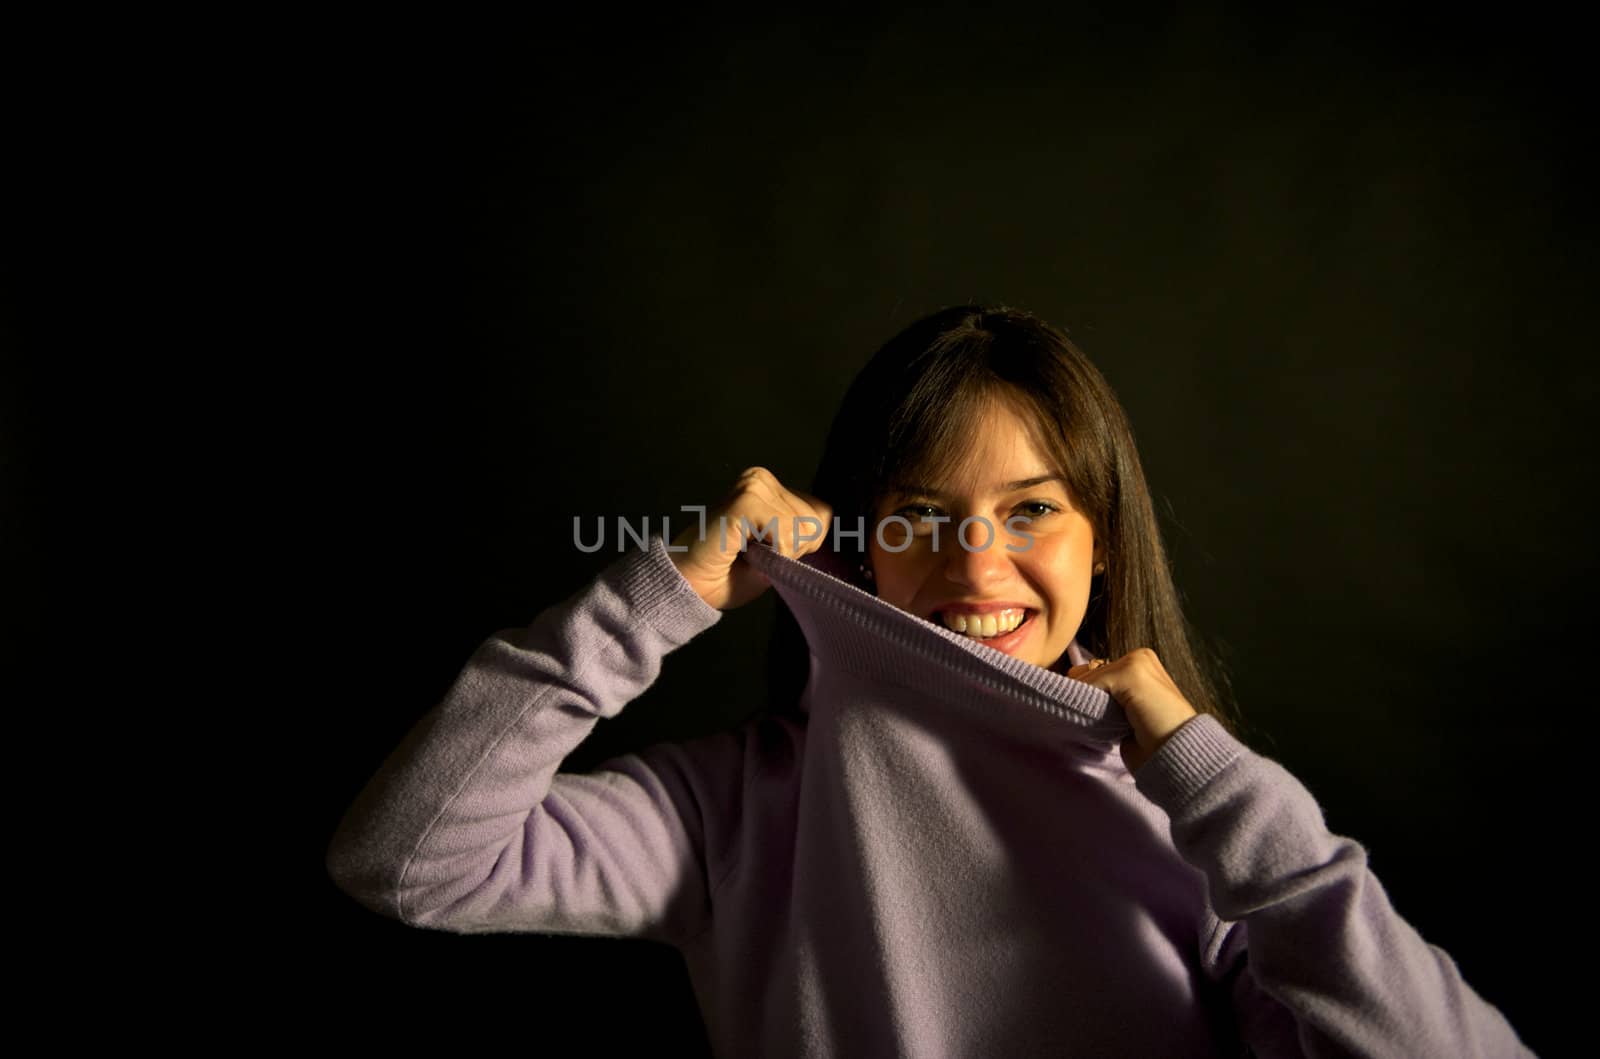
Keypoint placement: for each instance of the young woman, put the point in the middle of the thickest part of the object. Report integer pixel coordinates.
(999, 806)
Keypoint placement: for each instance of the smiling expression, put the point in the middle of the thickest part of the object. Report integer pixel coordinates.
(985, 591)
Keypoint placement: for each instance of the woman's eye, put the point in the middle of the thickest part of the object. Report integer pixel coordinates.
(916, 511)
(1036, 508)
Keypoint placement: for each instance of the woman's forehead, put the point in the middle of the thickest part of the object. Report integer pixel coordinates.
(995, 467)
(996, 447)
(975, 486)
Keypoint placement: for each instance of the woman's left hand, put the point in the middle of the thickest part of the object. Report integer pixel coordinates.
(1141, 686)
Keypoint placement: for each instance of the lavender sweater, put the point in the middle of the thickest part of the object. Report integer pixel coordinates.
(947, 857)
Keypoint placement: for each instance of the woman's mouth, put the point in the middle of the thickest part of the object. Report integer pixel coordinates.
(1003, 629)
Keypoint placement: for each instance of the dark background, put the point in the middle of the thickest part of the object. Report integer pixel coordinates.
(490, 280)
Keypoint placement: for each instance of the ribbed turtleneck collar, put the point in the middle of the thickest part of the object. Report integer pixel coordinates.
(856, 632)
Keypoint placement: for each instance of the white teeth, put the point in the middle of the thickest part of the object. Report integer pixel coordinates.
(982, 627)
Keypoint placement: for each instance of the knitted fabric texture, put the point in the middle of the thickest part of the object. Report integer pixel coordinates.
(945, 856)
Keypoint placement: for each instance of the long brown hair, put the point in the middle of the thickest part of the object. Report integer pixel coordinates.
(907, 416)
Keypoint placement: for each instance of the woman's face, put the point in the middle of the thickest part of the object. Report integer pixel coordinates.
(985, 591)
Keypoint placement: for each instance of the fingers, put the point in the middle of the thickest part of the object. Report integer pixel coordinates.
(792, 522)
(1139, 666)
(760, 506)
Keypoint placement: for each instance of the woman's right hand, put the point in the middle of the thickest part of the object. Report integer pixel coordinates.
(711, 564)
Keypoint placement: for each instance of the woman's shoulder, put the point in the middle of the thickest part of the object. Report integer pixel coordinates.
(764, 747)
(737, 786)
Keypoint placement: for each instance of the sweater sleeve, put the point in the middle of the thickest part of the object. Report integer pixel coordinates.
(1315, 959)
(468, 827)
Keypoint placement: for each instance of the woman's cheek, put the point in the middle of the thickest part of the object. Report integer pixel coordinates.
(897, 580)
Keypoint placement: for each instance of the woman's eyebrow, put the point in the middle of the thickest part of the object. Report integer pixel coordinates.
(1009, 487)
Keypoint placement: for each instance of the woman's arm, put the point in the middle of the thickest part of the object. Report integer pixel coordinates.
(468, 826)
(1317, 961)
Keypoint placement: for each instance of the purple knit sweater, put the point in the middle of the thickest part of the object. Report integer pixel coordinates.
(945, 857)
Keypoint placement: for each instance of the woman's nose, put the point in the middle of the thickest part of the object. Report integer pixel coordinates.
(981, 562)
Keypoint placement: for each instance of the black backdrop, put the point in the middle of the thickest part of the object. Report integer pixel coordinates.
(1331, 267)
